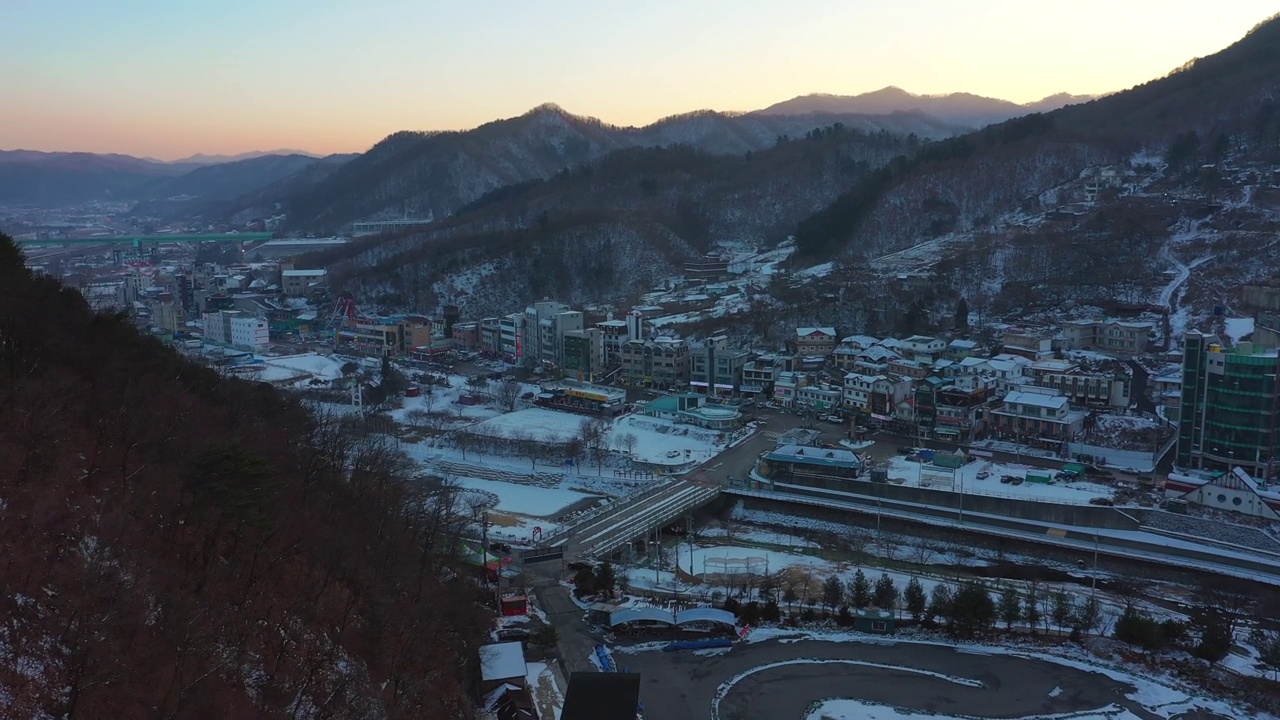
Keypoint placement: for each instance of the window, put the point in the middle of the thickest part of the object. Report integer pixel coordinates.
(1222, 498)
(1235, 501)
(879, 625)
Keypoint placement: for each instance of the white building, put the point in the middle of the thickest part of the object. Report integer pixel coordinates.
(249, 332)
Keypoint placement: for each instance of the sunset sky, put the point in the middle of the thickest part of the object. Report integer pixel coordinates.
(167, 79)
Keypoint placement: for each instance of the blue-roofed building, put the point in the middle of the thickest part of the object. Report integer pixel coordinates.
(791, 463)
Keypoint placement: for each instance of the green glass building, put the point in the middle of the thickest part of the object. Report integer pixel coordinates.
(1230, 401)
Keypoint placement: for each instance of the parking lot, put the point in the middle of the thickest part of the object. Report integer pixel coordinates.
(780, 680)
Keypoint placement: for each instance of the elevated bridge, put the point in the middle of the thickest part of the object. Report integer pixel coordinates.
(599, 534)
(140, 240)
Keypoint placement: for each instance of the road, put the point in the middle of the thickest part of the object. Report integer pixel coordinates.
(680, 686)
(576, 640)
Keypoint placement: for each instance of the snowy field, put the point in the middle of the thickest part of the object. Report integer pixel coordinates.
(657, 439)
(549, 425)
(297, 367)
(966, 479)
(525, 499)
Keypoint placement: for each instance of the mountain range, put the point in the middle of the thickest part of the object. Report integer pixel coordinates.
(434, 173)
(963, 109)
(976, 205)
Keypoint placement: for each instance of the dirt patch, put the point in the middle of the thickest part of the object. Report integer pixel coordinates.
(502, 519)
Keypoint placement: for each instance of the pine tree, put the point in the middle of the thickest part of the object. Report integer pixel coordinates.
(886, 594)
(961, 321)
(832, 592)
(1010, 605)
(914, 599)
(860, 590)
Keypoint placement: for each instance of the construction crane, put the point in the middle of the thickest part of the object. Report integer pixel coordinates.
(344, 312)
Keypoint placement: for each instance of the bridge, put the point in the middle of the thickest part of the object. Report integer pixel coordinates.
(140, 240)
(599, 534)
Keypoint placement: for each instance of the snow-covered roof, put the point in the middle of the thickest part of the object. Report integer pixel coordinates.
(962, 344)
(1038, 399)
(706, 615)
(860, 340)
(650, 614)
(972, 362)
(807, 331)
(303, 273)
(501, 661)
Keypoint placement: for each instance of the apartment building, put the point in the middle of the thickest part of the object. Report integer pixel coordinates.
(583, 353)
(1037, 416)
(613, 335)
(298, 282)
(715, 368)
(661, 363)
(760, 374)
(232, 327)
(1110, 335)
(815, 341)
(1230, 405)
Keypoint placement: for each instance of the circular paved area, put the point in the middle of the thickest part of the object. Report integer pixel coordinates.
(784, 678)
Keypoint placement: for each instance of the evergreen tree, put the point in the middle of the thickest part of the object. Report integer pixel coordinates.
(940, 601)
(1089, 616)
(1214, 630)
(1031, 606)
(973, 610)
(961, 320)
(605, 580)
(832, 592)
(1062, 609)
(886, 594)
(1010, 605)
(860, 590)
(914, 599)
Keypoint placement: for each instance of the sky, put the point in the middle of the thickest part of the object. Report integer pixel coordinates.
(165, 79)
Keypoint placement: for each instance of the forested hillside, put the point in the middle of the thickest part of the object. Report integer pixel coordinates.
(609, 228)
(175, 543)
(432, 175)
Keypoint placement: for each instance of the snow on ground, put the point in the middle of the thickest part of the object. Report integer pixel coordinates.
(550, 425)
(846, 709)
(1238, 328)
(298, 367)
(1158, 694)
(542, 685)
(966, 480)
(1106, 423)
(816, 271)
(757, 535)
(658, 439)
(525, 499)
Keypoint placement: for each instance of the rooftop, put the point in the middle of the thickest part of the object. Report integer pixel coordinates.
(1037, 399)
(807, 331)
(815, 456)
(501, 661)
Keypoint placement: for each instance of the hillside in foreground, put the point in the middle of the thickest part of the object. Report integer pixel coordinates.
(179, 544)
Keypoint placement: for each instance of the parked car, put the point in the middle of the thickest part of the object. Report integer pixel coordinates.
(1017, 480)
(983, 475)
(1101, 501)
(834, 419)
(513, 634)
(1006, 479)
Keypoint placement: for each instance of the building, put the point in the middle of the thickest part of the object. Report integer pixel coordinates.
(465, 336)
(249, 332)
(511, 335)
(581, 397)
(815, 341)
(582, 353)
(787, 387)
(1230, 407)
(298, 282)
(1035, 416)
(808, 465)
(712, 266)
(759, 375)
(715, 369)
(918, 346)
(536, 332)
(1029, 344)
(692, 408)
(613, 335)
(661, 363)
(822, 398)
(391, 336)
(374, 227)
(857, 391)
(1089, 389)
(1117, 336)
(960, 415)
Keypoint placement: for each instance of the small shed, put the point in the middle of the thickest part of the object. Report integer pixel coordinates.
(502, 663)
(875, 621)
(513, 605)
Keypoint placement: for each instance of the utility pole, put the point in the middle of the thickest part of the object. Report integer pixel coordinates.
(1093, 585)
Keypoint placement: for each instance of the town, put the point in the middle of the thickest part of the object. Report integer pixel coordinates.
(678, 488)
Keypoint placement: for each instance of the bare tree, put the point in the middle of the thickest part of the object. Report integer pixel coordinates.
(594, 435)
(626, 442)
(507, 394)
